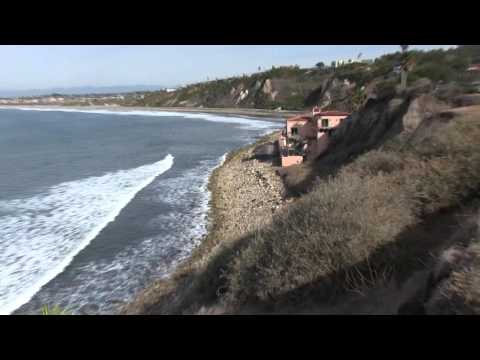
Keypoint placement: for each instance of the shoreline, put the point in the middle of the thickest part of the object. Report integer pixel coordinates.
(244, 194)
(204, 246)
(263, 114)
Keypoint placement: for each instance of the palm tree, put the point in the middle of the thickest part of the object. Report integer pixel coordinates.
(404, 73)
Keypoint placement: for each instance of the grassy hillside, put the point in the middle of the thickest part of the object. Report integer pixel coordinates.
(343, 88)
(387, 221)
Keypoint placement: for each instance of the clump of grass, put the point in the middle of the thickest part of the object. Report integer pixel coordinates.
(55, 310)
(459, 290)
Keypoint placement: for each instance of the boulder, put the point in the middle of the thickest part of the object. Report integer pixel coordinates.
(267, 87)
(420, 108)
(394, 105)
(421, 86)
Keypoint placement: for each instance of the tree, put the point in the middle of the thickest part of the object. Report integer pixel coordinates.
(404, 71)
(320, 65)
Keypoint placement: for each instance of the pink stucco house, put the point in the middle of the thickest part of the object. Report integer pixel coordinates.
(308, 136)
(474, 67)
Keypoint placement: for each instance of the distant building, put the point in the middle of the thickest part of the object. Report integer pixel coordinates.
(308, 136)
(342, 62)
(474, 67)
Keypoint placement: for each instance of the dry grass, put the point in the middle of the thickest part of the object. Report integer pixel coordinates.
(323, 233)
(345, 233)
(457, 275)
(355, 230)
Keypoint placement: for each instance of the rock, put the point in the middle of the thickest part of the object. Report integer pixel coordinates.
(89, 309)
(394, 105)
(420, 108)
(267, 87)
(421, 86)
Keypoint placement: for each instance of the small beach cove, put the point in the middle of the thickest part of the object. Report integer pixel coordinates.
(140, 240)
(245, 193)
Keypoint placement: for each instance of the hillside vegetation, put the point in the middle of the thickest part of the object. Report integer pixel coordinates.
(343, 88)
(385, 222)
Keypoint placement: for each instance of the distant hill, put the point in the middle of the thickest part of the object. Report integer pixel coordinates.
(344, 87)
(80, 90)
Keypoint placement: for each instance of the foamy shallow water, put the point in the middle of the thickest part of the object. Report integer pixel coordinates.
(42, 234)
(93, 242)
(249, 123)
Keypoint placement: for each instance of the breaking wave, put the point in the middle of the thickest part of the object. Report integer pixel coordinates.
(244, 122)
(41, 235)
(100, 285)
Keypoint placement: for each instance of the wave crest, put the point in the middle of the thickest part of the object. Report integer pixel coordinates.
(41, 235)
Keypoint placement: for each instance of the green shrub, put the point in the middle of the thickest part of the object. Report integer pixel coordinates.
(386, 88)
(284, 71)
(433, 71)
(56, 310)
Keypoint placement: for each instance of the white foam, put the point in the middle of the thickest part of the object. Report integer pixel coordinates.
(103, 282)
(244, 122)
(45, 232)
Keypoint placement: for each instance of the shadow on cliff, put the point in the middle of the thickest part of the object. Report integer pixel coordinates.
(396, 279)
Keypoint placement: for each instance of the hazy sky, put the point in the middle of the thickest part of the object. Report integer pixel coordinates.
(36, 67)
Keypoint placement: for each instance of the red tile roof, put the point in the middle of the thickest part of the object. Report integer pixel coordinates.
(300, 117)
(333, 113)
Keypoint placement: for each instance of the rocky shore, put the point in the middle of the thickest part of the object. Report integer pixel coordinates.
(246, 192)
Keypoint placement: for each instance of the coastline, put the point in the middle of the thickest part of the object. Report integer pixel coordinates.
(263, 114)
(216, 207)
(244, 194)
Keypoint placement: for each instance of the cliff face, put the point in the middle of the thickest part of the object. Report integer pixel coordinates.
(288, 88)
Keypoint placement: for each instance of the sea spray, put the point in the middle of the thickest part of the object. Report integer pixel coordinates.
(244, 122)
(42, 235)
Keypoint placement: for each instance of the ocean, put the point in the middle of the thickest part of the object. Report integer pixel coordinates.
(95, 205)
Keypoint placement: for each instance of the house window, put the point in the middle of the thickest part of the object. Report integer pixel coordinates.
(324, 122)
(294, 131)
